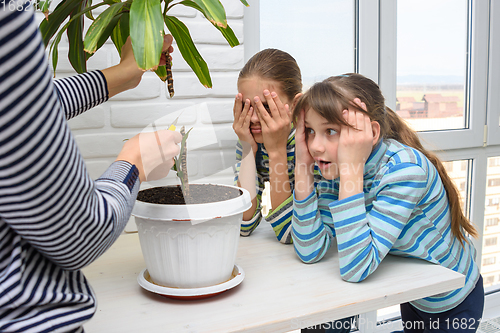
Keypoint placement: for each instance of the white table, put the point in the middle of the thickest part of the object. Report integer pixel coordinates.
(279, 292)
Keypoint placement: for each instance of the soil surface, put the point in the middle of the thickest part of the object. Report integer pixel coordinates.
(198, 193)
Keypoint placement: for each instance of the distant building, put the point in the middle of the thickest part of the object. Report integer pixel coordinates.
(432, 106)
(438, 106)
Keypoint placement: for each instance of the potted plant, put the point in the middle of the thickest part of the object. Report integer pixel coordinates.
(143, 20)
(189, 232)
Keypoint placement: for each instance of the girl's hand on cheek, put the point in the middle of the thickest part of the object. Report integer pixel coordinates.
(241, 124)
(355, 144)
(276, 123)
(302, 155)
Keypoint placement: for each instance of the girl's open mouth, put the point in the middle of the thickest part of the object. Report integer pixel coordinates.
(256, 130)
(323, 164)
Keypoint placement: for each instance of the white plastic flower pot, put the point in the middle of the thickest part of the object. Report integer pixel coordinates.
(192, 245)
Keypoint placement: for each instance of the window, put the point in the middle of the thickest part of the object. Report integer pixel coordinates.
(490, 241)
(298, 32)
(431, 63)
(492, 222)
(494, 161)
(493, 201)
(494, 182)
(489, 279)
(489, 261)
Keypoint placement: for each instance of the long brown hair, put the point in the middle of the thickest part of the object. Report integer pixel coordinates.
(329, 97)
(276, 65)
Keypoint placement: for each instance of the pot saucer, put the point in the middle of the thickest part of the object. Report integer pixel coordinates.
(145, 282)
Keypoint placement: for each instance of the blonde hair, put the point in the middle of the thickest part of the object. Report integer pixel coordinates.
(276, 65)
(329, 97)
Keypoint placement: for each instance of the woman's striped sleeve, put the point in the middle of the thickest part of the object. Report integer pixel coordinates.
(80, 93)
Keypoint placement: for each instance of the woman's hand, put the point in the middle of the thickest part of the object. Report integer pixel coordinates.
(152, 153)
(241, 124)
(127, 75)
(275, 123)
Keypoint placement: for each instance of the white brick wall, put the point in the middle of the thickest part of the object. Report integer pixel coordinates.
(100, 133)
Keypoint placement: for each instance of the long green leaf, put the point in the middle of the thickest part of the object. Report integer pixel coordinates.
(245, 3)
(146, 32)
(213, 11)
(188, 50)
(121, 32)
(229, 35)
(98, 27)
(76, 54)
(227, 32)
(49, 27)
(54, 45)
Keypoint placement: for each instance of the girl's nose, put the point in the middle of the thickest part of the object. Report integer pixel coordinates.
(254, 118)
(316, 145)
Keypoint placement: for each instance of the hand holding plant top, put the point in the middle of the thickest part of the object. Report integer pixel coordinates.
(143, 20)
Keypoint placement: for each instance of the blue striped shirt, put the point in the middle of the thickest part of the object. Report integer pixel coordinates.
(54, 219)
(403, 211)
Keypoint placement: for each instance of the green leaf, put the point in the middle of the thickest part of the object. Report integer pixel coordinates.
(161, 71)
(227, 32)
(229, 36)
(188, 50)
(89, 13)
(98, 27)
(213, 11)
(121, 32)
(49, 27)
(245, 3)
(146, 32)
(53, 47)
(76, 55)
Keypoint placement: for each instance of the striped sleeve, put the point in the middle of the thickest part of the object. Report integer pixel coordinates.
(364, 237)
(54, 219)
(80, 93)
(247, 227)
(280, 219)
(312, 230)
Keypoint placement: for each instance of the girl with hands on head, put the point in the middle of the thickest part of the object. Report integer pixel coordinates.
(381, 191)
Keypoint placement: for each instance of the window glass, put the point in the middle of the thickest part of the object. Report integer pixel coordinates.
(431, 63)
(320, 35)
(491, 245)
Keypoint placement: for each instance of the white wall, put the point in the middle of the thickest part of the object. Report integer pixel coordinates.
(100, 132)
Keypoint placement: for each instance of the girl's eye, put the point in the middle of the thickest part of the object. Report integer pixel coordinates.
(268, 109)
(331, 131)
(309, 130)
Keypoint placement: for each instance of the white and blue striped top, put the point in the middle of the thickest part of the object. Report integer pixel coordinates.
(403, 211)
(54, 219)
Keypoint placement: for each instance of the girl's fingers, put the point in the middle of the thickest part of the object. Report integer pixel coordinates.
(237, 106)
(262, 113)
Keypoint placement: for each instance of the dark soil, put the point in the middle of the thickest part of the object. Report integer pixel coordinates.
(198, 193)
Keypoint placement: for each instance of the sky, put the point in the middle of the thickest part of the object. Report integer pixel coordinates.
(431, 35)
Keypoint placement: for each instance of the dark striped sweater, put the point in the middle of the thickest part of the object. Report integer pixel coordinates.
(54, 219)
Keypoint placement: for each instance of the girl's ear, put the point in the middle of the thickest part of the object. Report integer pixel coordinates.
(375, 131)
(295, 100)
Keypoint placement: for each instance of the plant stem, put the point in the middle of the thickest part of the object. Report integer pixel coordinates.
(183, 157)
